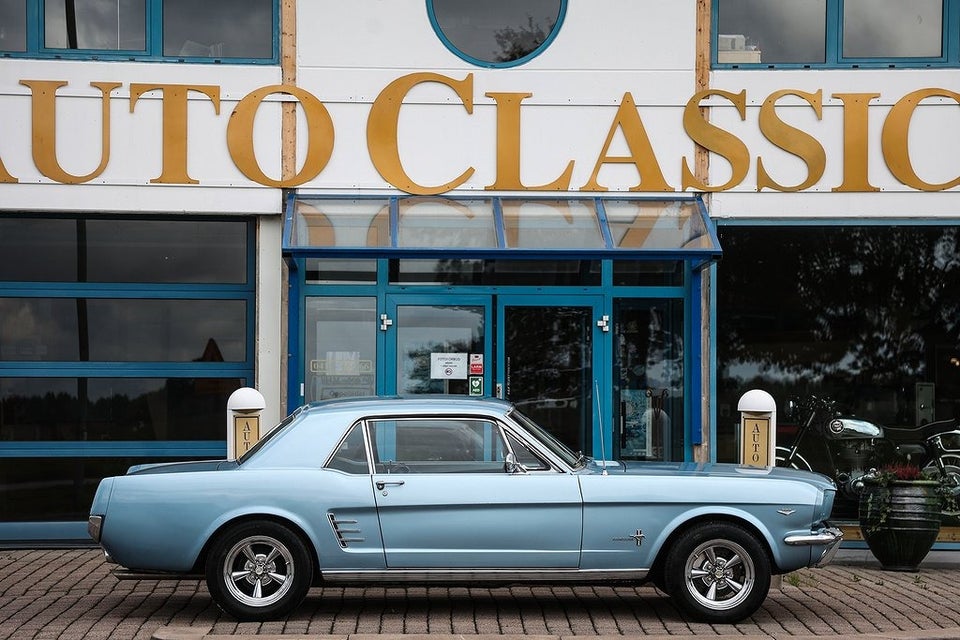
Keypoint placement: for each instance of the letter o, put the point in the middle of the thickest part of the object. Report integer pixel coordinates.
(320, 136)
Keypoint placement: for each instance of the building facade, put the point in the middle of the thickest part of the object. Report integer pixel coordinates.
(620, 214)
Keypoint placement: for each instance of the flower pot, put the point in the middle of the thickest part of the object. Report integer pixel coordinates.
(900, 521)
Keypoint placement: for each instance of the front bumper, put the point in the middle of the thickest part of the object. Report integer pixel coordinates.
(827, 537)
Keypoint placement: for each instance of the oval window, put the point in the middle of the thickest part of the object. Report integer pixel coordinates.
(496, 33)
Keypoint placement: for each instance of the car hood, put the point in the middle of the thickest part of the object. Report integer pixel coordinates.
(709, 469)
(181, 467)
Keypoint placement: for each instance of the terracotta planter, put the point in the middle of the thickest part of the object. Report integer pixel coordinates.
(900, 521)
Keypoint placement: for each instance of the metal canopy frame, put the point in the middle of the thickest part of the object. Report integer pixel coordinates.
(690, 236)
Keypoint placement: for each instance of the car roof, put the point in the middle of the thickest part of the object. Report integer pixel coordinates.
(435, 404)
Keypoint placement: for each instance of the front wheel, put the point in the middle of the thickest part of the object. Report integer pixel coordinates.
(795, 462)
(258, 571)
(718, 573)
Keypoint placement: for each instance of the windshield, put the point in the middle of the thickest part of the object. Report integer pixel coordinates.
(547, 439)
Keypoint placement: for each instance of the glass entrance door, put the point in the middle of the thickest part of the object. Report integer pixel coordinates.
(649, 379)
(550, 359)
(437, 344)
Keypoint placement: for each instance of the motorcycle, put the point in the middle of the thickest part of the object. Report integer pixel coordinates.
(851, 449)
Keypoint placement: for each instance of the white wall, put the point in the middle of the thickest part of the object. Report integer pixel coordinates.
(348, 52)
(934, 134)
(135, 144)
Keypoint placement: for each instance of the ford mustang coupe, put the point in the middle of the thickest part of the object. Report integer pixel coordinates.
(456, 490)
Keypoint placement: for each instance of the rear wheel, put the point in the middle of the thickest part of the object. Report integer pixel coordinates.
(717, 572)
(258, 571)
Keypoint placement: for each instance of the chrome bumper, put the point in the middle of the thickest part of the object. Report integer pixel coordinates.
(828, 537)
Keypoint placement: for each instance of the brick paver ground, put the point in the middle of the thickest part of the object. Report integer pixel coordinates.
(70, 595)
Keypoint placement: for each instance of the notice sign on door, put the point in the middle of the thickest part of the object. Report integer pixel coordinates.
(448, 366)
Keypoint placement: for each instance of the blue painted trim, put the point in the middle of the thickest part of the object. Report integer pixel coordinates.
(498, 223)
(714, 424)
(394, 223)
(694, 382)
(605, 224)
(296, 325)
(561, 14)
(286, 240)
(29, 533)
(119, 448)
(59, 369)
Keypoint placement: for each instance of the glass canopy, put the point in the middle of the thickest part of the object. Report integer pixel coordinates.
(501, 227)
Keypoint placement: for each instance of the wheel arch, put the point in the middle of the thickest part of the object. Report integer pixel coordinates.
(666, 542)
(298, 529)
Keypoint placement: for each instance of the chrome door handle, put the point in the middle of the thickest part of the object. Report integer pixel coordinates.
(391, 483)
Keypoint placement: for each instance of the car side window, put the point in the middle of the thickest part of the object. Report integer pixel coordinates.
(437, 445)
(351, 455)
(526, 457)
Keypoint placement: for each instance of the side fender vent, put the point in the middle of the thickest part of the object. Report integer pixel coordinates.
(346, 531)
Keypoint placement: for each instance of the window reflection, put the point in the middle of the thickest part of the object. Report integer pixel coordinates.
(771, 31)
(496, 272)
(56, 489)
(866, 316)
(341, 347)
(107, 25)
(113, 409)
(114, 330)
(497, 31)
(122, 250)
(892, 28)
(218, 28)
(13, 25)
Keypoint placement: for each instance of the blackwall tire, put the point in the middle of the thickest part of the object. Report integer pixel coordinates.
(258, 571)
(717, 573)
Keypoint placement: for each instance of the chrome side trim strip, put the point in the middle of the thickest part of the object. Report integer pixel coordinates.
(501, 576)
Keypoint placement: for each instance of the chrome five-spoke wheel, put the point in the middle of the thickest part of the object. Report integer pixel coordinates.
(718, 572)
(258, 571)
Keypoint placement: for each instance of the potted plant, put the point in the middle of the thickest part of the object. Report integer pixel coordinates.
(899, 513)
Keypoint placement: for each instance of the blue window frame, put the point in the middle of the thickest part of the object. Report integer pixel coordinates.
(212, 31)
(496, 33)
(121, 339)
(798, 34)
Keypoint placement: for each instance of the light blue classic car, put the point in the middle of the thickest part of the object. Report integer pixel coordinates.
(457, 490)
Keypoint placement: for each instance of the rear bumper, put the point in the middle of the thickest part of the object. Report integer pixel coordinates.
(828, 537)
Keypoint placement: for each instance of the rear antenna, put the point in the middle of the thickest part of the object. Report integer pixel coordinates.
(603, 452)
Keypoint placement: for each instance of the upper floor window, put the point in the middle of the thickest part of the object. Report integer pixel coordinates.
(834, 33)
(496, 33)
(169, 30)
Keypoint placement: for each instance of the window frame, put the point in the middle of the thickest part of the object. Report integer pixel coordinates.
(242, 370)
(477, 62)
(833, 54)
(153, 41)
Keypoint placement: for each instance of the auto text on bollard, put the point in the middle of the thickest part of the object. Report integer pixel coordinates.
(243, 420)
(758, 429)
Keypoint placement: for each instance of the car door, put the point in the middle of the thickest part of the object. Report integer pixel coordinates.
(446, 500)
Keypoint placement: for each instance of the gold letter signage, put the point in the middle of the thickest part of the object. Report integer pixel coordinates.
(383, 144)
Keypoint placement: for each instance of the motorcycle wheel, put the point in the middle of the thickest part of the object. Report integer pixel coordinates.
(951, 465)
(797, 462)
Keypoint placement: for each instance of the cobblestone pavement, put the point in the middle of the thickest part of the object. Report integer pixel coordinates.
(70, 595)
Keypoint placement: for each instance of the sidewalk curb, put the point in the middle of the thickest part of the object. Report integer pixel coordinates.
(197, 633)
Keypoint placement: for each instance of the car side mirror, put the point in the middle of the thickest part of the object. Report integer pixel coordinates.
(510, 464)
